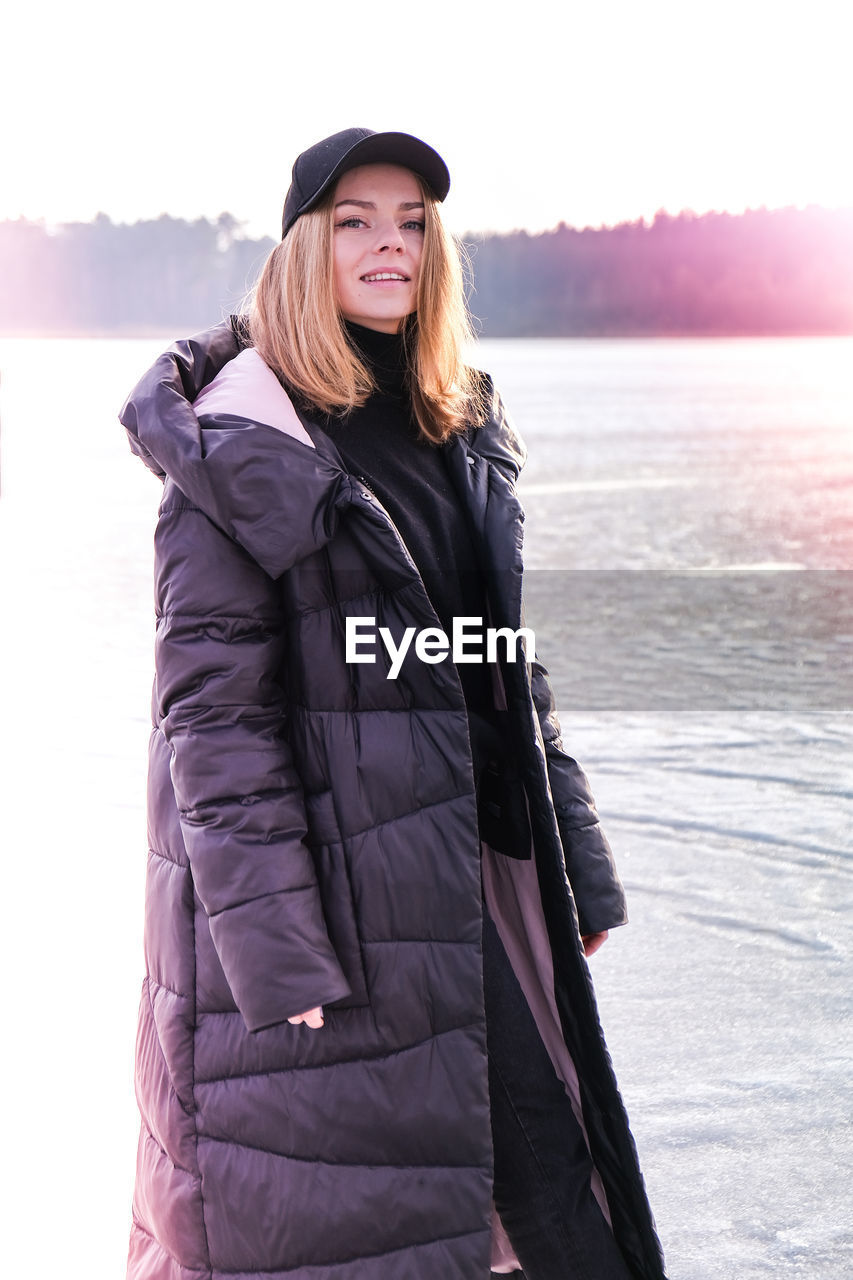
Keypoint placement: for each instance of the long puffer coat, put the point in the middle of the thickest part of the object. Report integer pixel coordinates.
(313, 840)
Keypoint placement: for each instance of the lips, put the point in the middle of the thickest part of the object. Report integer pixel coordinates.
(377, 276)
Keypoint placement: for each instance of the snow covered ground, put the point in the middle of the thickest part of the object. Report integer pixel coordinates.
(727, 1000)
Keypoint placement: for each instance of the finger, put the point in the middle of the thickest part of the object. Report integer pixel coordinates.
(312, 1018)
(592, 942)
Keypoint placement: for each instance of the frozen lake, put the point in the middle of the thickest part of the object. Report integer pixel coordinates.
(690, 543)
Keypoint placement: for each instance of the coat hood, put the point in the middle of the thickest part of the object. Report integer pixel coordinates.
(272, 493)
(277, 496)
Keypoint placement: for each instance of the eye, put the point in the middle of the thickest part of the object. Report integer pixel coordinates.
(413, 224)
(352, 221)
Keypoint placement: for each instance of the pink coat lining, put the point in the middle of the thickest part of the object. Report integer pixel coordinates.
(511, 890)
(246, 387)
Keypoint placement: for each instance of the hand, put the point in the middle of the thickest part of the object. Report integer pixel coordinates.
(313, 1018)
(592, 941)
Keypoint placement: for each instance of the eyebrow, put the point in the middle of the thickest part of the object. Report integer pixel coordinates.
(368, 204)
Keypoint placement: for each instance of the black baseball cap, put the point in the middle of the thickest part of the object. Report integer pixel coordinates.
(320, 166)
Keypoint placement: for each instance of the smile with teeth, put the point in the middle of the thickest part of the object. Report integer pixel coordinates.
(384, 275)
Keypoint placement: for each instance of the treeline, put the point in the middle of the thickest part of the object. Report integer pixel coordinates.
(165, 274)
(783, 271)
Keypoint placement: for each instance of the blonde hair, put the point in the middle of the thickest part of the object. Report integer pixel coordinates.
(295, 324)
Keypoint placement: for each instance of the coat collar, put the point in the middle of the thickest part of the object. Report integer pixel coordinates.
(496, 439)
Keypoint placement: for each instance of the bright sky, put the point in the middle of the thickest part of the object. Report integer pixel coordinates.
(588, 113)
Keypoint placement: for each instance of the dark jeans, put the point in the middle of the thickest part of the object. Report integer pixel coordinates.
(542, 1166)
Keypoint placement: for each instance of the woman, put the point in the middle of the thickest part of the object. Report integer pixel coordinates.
(345, 1052)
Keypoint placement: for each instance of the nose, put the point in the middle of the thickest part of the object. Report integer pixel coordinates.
(390, 239)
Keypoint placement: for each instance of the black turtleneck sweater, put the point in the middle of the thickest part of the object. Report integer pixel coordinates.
(381, 443)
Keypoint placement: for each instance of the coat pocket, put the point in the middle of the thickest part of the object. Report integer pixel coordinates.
(336, 894)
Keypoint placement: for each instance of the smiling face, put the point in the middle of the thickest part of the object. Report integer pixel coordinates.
(378, 241)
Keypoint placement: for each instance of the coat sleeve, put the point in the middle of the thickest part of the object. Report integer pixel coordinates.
(219, 649)
(597, 889)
